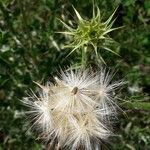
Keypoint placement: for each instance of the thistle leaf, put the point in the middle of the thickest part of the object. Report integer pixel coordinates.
(108, 49)
(110, 18)
(78, 15)
(68, 27)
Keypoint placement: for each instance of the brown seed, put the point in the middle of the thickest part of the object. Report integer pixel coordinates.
(75, 90)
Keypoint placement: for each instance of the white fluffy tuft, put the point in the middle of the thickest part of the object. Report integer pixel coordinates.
(75, 110)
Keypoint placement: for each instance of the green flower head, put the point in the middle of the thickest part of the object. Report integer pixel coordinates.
(93, 33)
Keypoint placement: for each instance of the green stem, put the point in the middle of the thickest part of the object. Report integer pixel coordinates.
(84, 56)
(137, 105)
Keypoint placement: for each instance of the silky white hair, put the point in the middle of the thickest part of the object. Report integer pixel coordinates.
(77, 110)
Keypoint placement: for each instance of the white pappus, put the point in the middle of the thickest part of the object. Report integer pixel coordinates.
(76, 111)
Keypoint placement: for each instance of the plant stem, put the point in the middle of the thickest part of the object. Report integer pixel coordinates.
(137, 105)
(84, 56)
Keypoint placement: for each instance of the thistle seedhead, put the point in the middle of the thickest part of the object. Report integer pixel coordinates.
(75, 111)
(92, 34)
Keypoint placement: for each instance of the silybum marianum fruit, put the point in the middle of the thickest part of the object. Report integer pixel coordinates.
(76, 111)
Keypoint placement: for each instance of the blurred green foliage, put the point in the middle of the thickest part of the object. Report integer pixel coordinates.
(31, 50)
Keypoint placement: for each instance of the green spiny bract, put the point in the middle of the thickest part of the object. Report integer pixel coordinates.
(91, 34)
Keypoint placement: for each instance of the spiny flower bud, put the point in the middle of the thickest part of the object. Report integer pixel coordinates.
(92, 34)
